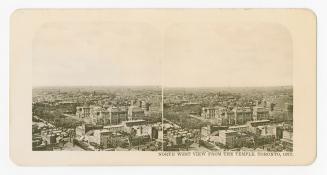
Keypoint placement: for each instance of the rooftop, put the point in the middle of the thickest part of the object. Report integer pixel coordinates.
(238, 126)
(227, 131)
(112, 126)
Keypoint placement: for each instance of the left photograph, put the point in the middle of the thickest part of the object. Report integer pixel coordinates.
(96, 87)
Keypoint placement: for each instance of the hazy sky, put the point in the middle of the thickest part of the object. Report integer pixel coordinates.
(187, 54)
(228, 54)
(96, 54)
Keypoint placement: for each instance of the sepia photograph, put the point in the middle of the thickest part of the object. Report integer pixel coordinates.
(163, 87)
(96, 87)
(228, 86)
(222, 86)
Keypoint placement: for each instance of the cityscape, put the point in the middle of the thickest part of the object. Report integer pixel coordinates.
(162, 119)
(95, 119)
(236, 119)
(187, 87)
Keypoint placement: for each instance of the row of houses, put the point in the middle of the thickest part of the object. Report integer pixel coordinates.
(240, 135)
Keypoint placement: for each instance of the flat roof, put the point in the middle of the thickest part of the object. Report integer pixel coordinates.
(113, 126)
(239, 126)
(228, 131)
(131, 121)
(258, 121)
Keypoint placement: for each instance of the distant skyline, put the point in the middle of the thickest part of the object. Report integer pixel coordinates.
(185, 55)
(159, 86)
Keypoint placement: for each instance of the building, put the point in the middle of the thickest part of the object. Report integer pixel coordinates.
(244, 139)
(96, 115)
(260, 113)
(287, 140)
(83, 111)
(139, 130)
(205, 131)
(157, 133)
(51, 138)
(279, 132)
(228, 138)
(132, 123)
(135, 127)
(288, 107)
(83, 129)
(208, 130)
(117, 115)
(114, 128)
(135, 113)
(242, 115)
(140, 140)
(209, 112)
(107, 137)
(222, 115)
(100, 137)
(289, 111)
(110, 116)
(253, 125)
(179, 137)
(288, 134)
(145, 106)
(266, 130)
(277, 115)
(226, 117)
(239, 128)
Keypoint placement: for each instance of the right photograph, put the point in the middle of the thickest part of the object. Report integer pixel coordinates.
(227, 87)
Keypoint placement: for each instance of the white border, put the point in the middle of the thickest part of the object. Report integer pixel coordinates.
(318, 6)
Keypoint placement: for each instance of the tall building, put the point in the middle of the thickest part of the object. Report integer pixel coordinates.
(209, 112)
(83, 111)
(227, 138)
(117, 115)
(226, 117)
(260, 113)
(135, 113)
(95, 115)
(145, 105)
(242, 115)
(289, 111)
(287, 140)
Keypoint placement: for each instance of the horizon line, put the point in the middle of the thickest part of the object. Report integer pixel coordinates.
(258, 86)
